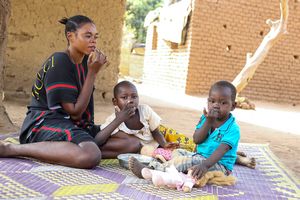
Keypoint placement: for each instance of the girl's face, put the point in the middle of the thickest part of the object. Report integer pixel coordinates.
(126, 95)
(84, 39)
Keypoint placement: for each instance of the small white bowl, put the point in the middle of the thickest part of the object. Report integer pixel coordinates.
(124, 158)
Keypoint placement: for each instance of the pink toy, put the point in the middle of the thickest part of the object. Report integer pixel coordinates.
(165, 153)
(159, 153)
(171, 178)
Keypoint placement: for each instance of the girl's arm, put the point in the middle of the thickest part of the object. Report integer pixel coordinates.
(160, 139)
(121, 116)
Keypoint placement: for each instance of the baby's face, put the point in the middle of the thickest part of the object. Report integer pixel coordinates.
(127, 95)
(220, 101)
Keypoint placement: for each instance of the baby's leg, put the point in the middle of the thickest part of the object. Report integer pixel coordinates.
(181, 163)
(245, 161)
(241, 153)
(120, 143)
(181, 152)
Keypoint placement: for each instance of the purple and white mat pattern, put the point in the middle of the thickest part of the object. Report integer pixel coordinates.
(22, 178)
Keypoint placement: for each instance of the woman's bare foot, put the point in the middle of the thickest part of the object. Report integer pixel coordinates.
(245, 161)
(136, 166)
(4, 149)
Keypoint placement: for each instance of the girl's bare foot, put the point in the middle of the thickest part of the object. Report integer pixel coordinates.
(245, 161)
(136, 166)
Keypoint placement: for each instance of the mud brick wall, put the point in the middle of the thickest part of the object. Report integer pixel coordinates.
(34, 33)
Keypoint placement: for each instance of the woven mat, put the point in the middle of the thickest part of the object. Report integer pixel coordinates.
(30, 179)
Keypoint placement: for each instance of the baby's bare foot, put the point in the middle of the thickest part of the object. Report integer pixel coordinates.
(248, 162)
(241, 153)
(136, 166)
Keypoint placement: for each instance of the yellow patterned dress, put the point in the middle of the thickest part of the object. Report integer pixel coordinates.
(172, 135)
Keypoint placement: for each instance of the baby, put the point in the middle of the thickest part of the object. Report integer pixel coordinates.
(217, 135)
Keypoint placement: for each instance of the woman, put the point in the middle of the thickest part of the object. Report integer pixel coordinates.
(59, 126)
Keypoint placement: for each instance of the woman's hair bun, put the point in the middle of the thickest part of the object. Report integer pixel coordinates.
(63, 20)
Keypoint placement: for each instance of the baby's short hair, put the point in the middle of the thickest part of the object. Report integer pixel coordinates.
(225, 84)
(122, 84)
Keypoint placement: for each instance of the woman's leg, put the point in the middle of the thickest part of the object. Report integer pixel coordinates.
(83, 155)
(120, 143)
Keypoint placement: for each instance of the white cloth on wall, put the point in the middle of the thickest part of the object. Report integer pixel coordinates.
(173, 20)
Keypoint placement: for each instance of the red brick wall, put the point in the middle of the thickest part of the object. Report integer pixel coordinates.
(221, 33)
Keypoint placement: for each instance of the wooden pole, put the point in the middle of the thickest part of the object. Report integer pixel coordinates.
(277, 29)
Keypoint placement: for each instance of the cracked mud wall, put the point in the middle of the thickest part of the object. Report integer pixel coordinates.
(34, 34)
(5, 123)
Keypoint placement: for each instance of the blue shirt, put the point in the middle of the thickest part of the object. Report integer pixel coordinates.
(228, 133)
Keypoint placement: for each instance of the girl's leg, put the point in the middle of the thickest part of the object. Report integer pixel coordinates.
(84, 155)
(120, 143)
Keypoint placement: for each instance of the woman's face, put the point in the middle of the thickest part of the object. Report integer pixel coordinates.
(84, 39)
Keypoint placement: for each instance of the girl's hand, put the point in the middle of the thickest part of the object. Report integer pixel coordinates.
(171, 145)
(95, 61)
(127, 112)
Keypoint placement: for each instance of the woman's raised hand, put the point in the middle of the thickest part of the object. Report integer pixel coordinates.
(96, 60)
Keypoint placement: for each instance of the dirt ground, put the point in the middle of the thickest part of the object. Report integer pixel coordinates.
(283, 144)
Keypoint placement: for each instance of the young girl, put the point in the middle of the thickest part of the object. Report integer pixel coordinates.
(134, 119)
(59, 125)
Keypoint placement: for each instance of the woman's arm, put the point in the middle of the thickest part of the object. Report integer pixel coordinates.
(75, 110)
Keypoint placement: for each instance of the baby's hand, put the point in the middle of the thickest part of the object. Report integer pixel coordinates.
(198, 171)
(211, 115)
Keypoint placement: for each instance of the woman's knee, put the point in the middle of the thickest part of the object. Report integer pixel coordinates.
(90, 155)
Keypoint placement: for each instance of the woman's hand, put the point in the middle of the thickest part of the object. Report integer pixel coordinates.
(95, 61)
